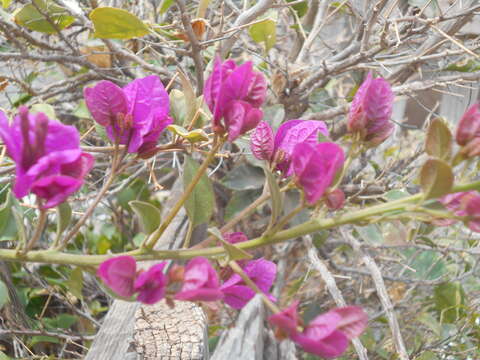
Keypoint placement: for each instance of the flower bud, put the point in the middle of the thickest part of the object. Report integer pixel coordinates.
(371, 110)
(261, 141)
(469, 125)
(335, 199)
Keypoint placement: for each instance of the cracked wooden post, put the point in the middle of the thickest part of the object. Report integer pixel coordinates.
(135, 331)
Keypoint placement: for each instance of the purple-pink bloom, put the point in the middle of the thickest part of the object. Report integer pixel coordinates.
(237, 294)
(329, 333)
(261, 141)
(315, 167)
(235, 93)
(151, 284)
(200, 282)
(289, 135)
(371, 110)
(455, 203)
(119, 273)
(135, 115)
(49, 161)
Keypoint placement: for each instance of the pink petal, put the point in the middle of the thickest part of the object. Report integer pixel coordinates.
(55, 189)
(287, 320)
(261, 141)
(330, 347)
(119, 274)
(151, 284)
(353, 321)
(105, 100)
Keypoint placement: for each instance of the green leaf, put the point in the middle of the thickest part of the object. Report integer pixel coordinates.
(178, 107)
(264, 32)
(239, 201)
(439, 140)
(301, 8)
(61, 321)
(470, 65)
(3, 294)
(200, 203)
(428, 355)
(234, 253)
(449, 301)
(244, 177)
(114, 23)
(29, 17)
(74, 283)
(190, 98)
(43, 339)
(276, 197)
(47, 109)
(3, 356)
(192, 136)
(436, 178)
(148, 215)
(165, 6)
(64, 216)
(8, 228)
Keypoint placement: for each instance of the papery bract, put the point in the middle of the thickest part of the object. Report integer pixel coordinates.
(200, 282)
(237, 294)
(469, 125)
(370, 111)
(234, 93)
(151, 284)
(119, 273)
(135, 115)
(328, 334)
(49, 161)
(261, 141)
(315, 167)
(456, 204)
(287, 320)
(471, 205)
(290, 134)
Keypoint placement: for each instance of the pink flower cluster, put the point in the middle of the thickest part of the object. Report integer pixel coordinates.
(200, 281)
(295, 149)
(133, 116)
(327, 335)
(464, 204)
(49, 160)
(371, 110)
(234, 94)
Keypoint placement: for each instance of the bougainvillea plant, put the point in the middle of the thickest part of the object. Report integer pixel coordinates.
(299, 156)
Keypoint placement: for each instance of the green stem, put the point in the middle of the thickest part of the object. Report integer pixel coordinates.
(150, 242)
(42, 220)
(311, 226)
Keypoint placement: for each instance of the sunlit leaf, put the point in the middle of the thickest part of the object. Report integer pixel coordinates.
(439, 140)
(64, 215)
(29, 17)
(193, 136)
(436, 178)
(264, 32)
(114, 23)
(276, 197)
